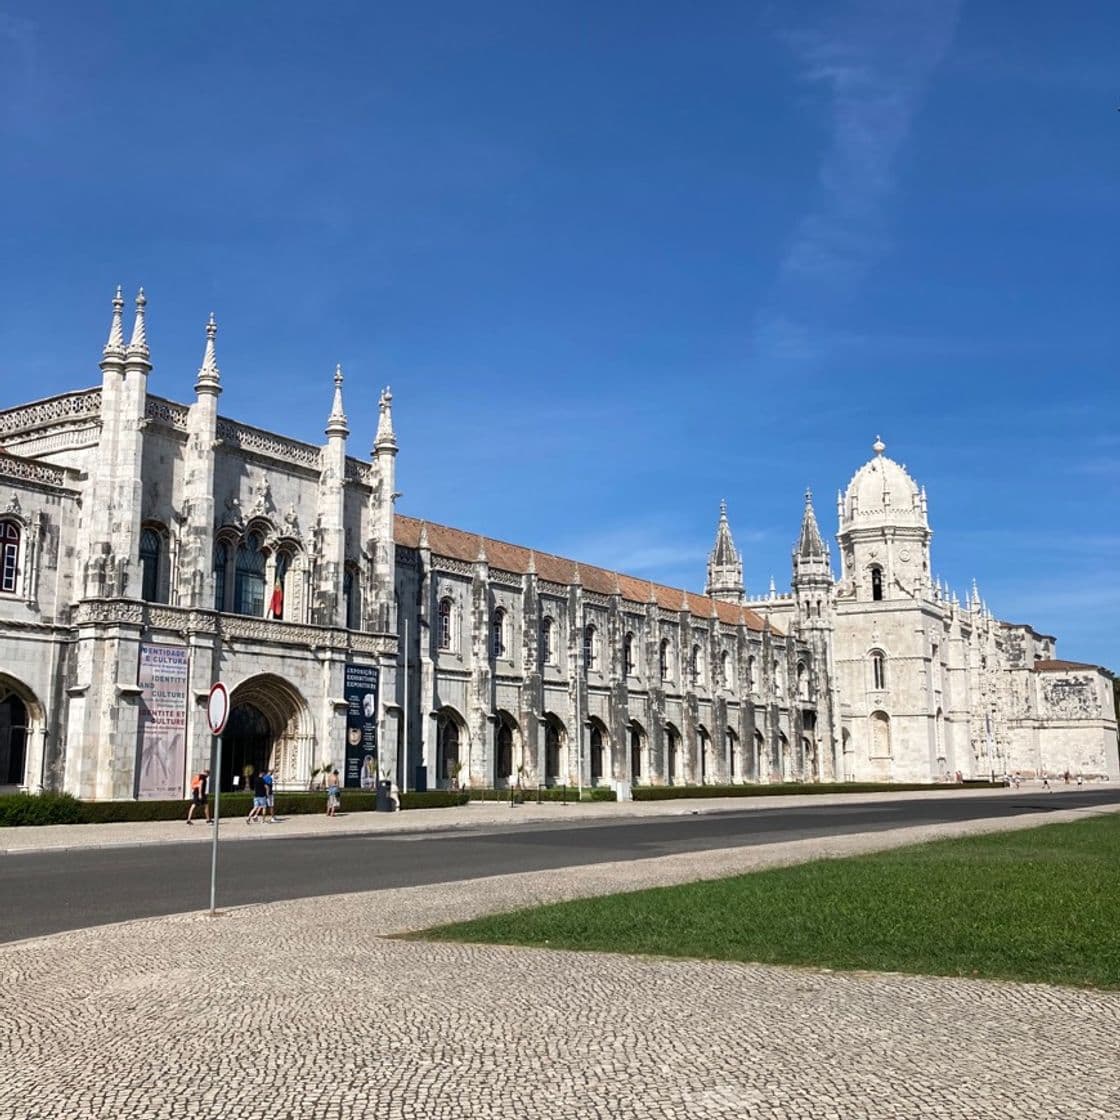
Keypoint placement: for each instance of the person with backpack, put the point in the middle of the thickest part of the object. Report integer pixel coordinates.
(199, 789)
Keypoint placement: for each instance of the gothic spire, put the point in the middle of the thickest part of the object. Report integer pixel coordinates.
(336, 422)
(385, 439)
(114, 347)
(809, 544)
(138, 345)
(725, 565)
(209, 376)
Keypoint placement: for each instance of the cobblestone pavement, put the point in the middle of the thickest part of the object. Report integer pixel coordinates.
(61, 837)
(304, 1010)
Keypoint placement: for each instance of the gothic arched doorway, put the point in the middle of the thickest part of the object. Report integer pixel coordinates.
(246, 746)
(269, 727)
(503, 750)
(449, 735)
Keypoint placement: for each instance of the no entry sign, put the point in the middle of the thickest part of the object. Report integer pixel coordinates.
(217, 708)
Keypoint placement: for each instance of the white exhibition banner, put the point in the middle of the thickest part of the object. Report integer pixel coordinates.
(163, 742)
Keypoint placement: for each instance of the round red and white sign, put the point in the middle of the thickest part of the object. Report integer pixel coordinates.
(217, 708)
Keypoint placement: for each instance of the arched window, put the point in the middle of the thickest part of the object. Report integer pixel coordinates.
(590, 647)
(503, 761)
(150, 546)
(498, 633)
(663, 660)
(672, 747)
(878, 669)
(697, 664)
(802, 681)
(635, 753)
(248, 578)
(547, 650)
(444, 622)
(727, 671)
(752, 674)
(704, 746)
(352, 599)
(876, 582)
(596, 753)
(220, 563)
(447, 764)
(9, 556)
(734, 762)
(628, 655)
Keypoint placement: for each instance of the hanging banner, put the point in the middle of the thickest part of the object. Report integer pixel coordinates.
(163, 721)
(360, 689)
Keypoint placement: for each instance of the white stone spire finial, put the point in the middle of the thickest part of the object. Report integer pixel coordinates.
(773, 588)
(878, 446)
(336, 422)
(386, 439)
(209, 376)
(138, 345)
(114, 347)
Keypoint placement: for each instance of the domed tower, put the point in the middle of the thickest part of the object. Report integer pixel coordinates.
(884, 533)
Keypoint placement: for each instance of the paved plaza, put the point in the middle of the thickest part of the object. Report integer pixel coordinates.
(306, 1009)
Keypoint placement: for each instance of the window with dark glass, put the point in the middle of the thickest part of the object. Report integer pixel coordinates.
(150, 545)
(218, 567)
(663, 659)
(443, 631)
(546, 641)
(352, 599)
(596, 754)
(628, 654)
(248, 578)
(498, 634)
(879, 670)
(590, 652)
(9, 556)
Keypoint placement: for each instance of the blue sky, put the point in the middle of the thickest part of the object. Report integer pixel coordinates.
(617, 261)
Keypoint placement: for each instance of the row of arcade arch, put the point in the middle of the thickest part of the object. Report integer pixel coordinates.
(514, 761)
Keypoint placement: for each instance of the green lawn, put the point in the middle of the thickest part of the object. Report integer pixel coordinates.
(1041, 904)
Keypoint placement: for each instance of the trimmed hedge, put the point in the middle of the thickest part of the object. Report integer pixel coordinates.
(528, 794)
(61, 808)
(778, 789)
(49, 808)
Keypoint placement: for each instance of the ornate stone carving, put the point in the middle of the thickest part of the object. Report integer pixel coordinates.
(167, 413)
(32, 471)
(13, 505)
(448, 564)
(291, 522)
(71, 406)
(262, 498)
(266, 443)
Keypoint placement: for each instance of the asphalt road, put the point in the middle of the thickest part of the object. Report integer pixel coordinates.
(45, 892)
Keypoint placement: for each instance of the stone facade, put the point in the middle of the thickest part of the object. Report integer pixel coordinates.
(130, 522)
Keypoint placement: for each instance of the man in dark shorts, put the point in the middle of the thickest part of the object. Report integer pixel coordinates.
(199, 790)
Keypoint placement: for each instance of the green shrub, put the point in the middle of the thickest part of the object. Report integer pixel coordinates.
(47, 808)
(532, 794)
(436, 799)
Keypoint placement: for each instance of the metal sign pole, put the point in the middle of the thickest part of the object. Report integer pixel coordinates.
(217, 818)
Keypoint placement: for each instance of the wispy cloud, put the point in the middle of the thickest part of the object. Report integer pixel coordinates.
(875, 61)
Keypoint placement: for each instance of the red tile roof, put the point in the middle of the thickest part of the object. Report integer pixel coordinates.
(1062, 666)
(460, 545)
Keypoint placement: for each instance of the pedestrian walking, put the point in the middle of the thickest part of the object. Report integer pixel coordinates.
(1046, 784)
(1080, 779)
(260, 799)
(270, 796)
(200, 785)
(332, 793)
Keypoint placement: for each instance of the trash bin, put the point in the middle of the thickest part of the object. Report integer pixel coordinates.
(421, 783)
(384, 796)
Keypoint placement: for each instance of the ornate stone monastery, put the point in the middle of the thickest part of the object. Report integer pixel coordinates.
(149, 548)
